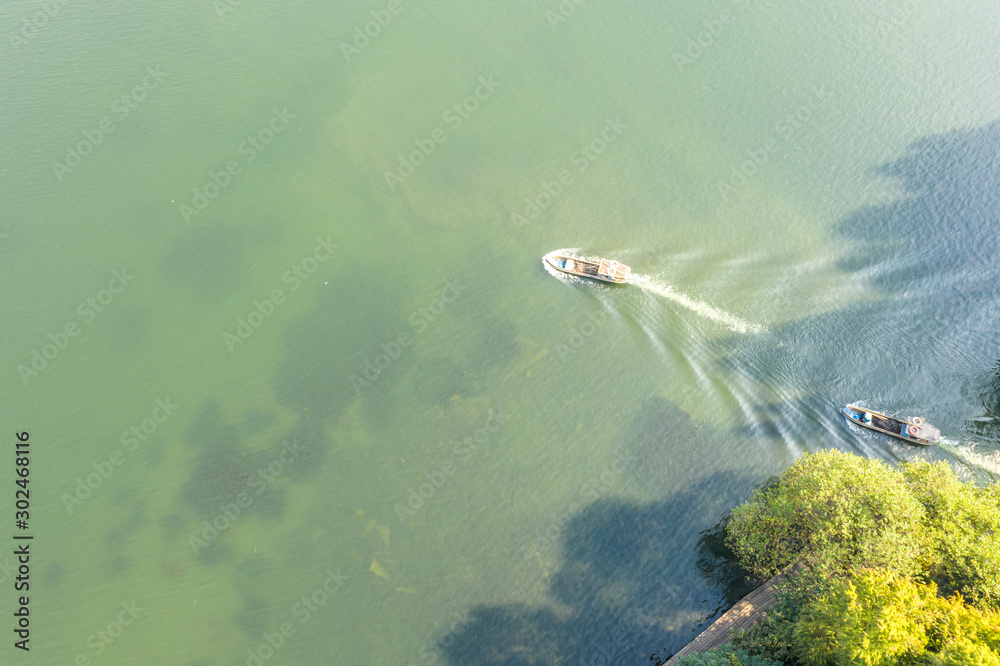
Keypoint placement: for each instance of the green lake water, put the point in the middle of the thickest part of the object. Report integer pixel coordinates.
(300, 391)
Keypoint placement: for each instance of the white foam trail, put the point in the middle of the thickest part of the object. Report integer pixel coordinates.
(704, 309)
(988, 462)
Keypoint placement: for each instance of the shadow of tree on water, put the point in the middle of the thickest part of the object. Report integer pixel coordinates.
(921, 339)
(636, 581)
(635, 584)
(987, 426)
(944, 225)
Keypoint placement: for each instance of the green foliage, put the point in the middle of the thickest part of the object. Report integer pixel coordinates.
(966, 653)
(963, 522)
(877, 618)
(725, 656)
(875, 545)
(767, 639)
(874, 618)
(957, 627)
(835, 512)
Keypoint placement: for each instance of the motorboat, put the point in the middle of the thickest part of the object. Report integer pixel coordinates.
(912, 429)
(605, 270)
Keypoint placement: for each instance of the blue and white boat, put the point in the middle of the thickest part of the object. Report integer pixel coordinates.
(605, 270)
(912, 429)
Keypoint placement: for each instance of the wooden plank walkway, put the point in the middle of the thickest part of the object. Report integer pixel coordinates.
(743, 615)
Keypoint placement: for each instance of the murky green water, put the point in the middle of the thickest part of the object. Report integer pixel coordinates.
(299, 390)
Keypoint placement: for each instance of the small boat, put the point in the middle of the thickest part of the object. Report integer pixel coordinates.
(913, 429)
(605, 270)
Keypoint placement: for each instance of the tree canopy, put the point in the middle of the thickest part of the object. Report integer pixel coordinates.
(877, 618)
(897, 566)
(833, 511)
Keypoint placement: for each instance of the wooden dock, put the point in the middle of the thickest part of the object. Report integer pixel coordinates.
(743, 615)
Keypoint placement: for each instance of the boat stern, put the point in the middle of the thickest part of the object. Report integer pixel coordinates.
(613, 271)
(921, 431)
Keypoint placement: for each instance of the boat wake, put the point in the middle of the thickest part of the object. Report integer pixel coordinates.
(652, 285)
(731, 321)
(988, 462)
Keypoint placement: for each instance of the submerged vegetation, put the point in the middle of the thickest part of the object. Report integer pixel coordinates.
(895, 566)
